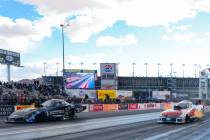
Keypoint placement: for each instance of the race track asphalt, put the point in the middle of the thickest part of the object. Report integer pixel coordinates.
(147, 128)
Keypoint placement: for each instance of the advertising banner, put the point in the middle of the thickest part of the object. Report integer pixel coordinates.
(9, 57)
(20, 107)
(96, 107)
(110, 107)
(103, 93)
(108, 84)
(132, 106)
(6, 110)
(162, 95)
(122, 106)
(80, 93)
(124, 93)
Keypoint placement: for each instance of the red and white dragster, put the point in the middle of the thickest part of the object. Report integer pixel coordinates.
(182, 112)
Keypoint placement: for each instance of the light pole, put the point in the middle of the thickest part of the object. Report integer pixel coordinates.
(146, 64)
(171, 65)
(81, 64)
(158, 65)
(94, 65)
(133, 64)
(183, 65)
(199, 67)
(174, 74)
(195, 65)
(69, 65)
(62, 29)
(57, 69)
(44, 68)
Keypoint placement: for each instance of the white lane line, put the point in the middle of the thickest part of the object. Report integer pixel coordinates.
(83, 126)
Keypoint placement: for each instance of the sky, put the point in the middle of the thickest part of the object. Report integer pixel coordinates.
(121, 31)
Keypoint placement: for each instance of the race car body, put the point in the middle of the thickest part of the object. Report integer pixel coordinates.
(49, 110)
(183, 112)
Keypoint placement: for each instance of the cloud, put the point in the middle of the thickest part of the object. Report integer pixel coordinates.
(32, 70)
(127, 40)
(183, 27)
(203, 5)
(21, 34)
(208, 34)
(92, 16)
(179, 37)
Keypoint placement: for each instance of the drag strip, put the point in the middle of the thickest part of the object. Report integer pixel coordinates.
(80, 117)
(122, 125)
(54, 130)
(148, 130)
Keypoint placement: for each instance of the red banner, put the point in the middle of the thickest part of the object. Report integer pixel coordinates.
(132, 106)
(96, 108)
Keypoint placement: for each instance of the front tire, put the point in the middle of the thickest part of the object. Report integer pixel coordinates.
(69, 114)
(187, 119)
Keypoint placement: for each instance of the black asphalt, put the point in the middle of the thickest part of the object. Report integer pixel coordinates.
(80, 117)
(148, 130)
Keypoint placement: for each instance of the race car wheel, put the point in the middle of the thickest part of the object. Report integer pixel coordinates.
(187, 119)
(72, 114)
(39, 118)
(69, 114)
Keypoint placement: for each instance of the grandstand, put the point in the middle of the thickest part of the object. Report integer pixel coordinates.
(142, 87)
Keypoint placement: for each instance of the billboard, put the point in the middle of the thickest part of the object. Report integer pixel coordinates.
(162, 95)
(9, 57)
(109, 73)
(124, 93)
(111, 93)
(108, 68)
(52, 80)
(108, 84)
(81, 93)
(79, 80)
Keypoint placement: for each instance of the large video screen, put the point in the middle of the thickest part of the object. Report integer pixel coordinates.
(77, 80)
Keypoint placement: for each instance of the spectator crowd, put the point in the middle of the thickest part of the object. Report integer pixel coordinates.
(16, 93)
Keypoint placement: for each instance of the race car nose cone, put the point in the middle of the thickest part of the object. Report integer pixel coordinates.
(172, 113)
